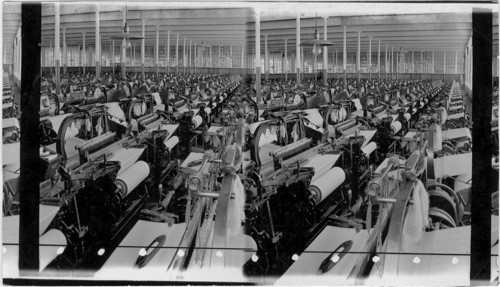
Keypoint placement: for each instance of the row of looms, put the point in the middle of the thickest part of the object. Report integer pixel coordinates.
(212, 174)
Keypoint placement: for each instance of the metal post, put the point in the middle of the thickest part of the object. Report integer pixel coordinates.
(57, 46)
(113, 55)
(97, 43)
(325, 52)
(177, 55)
(124, 47)
(370, 59)
(257, 56)
(297, 48)
(266, 57)
(168, 52)
(285, 60)
(143, 48)
(344, 55)
(386, 66)
(358, 58)
(184, 56)
(444, 62)
(157, 51)
(65, 55)
(378, 60)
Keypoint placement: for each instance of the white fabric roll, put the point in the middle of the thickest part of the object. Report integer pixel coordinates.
(396, 126)
(50, 242)
(417, 218)
(157, 98)
(438, 139)
(314, 116)
(343, 114)
(369, 148)
(462, 182)
(11, 153)
(10, 122)
(253, 127)
(322, 187)
(57, 121)
(197, 121)
(321, 164)
(115, 110)
(208, 110)
(268, 136)
(407, 116)
(126, 157)
(357, 104)
(171, 142)
(132, 177)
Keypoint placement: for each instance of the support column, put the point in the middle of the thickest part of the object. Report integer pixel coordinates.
(266, 58)
(97, 43)
(412, 63)
(325, 51)
(392, 62)
(386, 66)
(422, 62)
(84, 54)
(378, 60)
(79, 57)
(113, 56)
(177, 55)
(157, 51)
(195, 58)
(456, 62)
(210, 64)
(143, 48)
(303, 60)
(433, 63)
(285, 60)
(132, 61)
(370, 59)
(358, 58)
(124, 47)
(51, 49)
(189, 57)
(57, 47)
(335, 64)
(297, 48)
(257, 56)
(444, 62)
(65, 54)
(184, 56)
(242, 58)
(231, 56)
(168, 51)
(344, 56)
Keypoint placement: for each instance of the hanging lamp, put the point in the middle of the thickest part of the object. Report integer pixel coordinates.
(316, 43)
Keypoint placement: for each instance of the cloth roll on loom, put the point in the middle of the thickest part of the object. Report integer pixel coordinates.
(208, 110)
(407, 116)
(322, 187)
(321, 164)
(462, 182)
(51, 245)
(171, 142)
(56, 121)
(132, 177)
(369, 148)
(197, 121)
(314, 117)
(396, 126)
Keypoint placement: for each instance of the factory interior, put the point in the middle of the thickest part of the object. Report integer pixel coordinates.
(247, 143)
